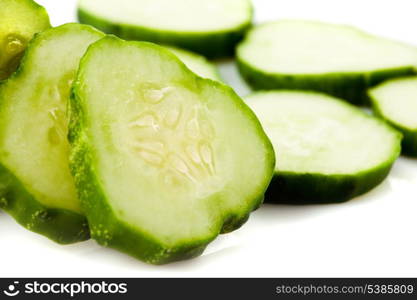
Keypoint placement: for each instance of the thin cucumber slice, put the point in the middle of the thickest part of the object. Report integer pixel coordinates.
(336, 59)
(19, 21)
(163, 160)
(327, 150)
(196, 63)
(36, 185)
(396, 102)
(211, 28)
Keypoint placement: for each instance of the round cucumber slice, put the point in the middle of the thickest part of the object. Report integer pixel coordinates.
(327, 150)
(396, 102)
(211, 28)
(19, 21)
(37, 188)
(336, 59)
(196, 63)
(163, 160)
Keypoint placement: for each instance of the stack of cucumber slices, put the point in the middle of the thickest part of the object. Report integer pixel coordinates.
(143, 148)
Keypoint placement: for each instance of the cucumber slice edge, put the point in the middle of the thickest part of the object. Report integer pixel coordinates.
(409, 141)
(212, 44)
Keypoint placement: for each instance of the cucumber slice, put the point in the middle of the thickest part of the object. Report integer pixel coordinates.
(196, 63)
(19, 21)
(327, 150)
(396, 102)
(211, 28)
(163, 160)
(335, 59)
(36, 185)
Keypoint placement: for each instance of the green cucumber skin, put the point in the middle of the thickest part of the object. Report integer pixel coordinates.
(218, 44)
(349, 86)
(294, 188)
(60, 225)
(122, 236)
(409, 141)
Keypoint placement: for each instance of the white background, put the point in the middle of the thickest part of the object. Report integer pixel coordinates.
(372, 235)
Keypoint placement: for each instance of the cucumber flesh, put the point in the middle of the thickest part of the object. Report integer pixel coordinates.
(19, 21)
(163, 160)
(211, 28)
(326, 149)
(307, 55)
(396, 102)
(196, 63)
(38, 187)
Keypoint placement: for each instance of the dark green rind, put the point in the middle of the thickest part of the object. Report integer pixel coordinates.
(409, 142)
(59, 225)
(349, 86)
(101, 217)
(14, 63)
(215, 44)
(314, 188)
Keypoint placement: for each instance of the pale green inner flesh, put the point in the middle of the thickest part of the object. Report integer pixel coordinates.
(173, 15)
(316, 134)
(19, 21)
(397, 100)
(306, 47)
(33, 141)
(174, 156)
(196, 63)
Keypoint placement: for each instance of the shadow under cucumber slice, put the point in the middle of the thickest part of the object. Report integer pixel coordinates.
(163, 160)
(396, 102)
(327, 150)
(36, 185)
(19, 21)
(335, 59)
(212, 28)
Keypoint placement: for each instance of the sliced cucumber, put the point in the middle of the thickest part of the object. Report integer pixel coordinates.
(335, 59)
(396, 102)
(36, 185)
(164, 160)
(327, 150)
(211, 28)
(196, 63)
(19, 21)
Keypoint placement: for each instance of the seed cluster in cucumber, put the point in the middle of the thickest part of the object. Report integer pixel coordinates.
(160, 141)
(396, 102)
(37, 187)
(19, 21)
(211, 28)
(307, 55)
(327, 150)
